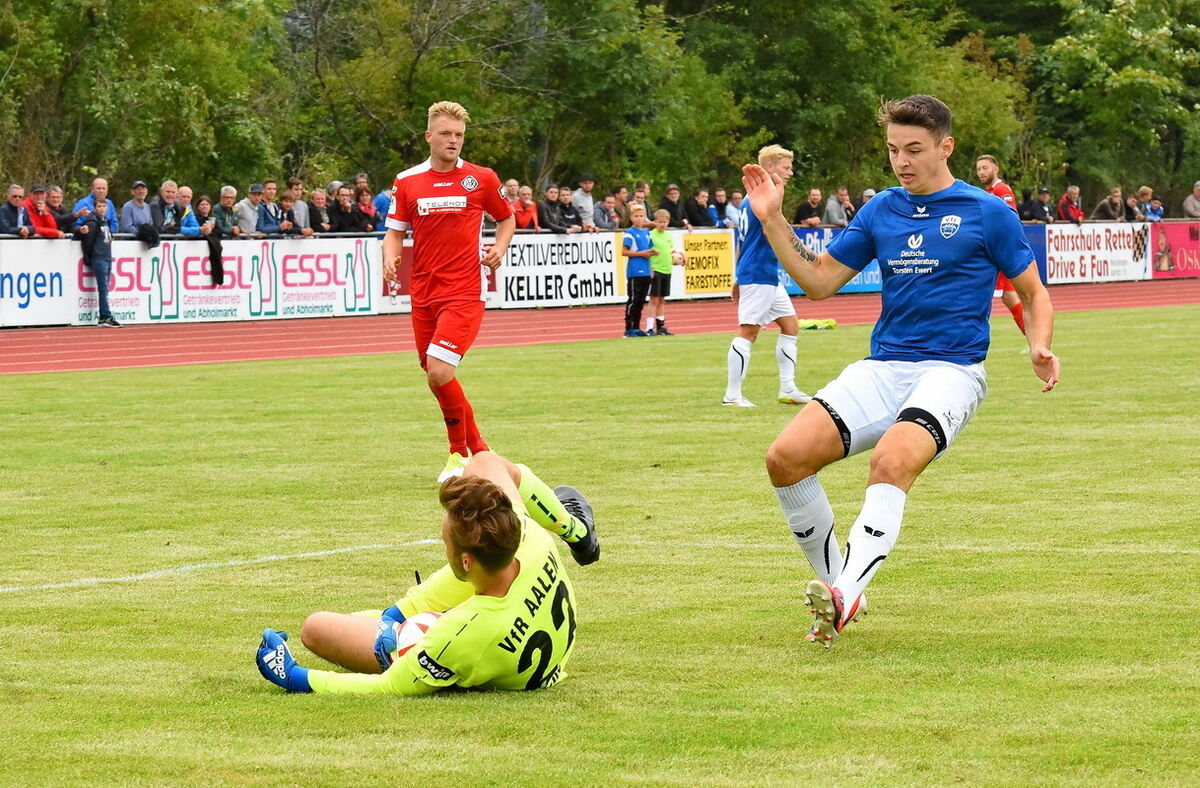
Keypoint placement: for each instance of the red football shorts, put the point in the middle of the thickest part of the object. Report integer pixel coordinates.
(446, 330)
(1003, 284)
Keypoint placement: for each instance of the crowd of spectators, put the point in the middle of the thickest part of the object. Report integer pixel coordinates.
(353, 207)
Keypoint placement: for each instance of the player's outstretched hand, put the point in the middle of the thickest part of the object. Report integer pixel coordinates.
(1046, 365)
(276, 664)
(764, 190)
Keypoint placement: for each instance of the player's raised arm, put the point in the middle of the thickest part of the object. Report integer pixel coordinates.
(819, 275)
(1039, 325)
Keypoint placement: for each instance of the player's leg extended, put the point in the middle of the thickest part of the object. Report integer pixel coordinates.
(342, 639)
(738, 362)
(810, 442)
(904, 451)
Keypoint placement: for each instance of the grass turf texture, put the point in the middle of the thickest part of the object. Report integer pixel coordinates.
(1036, 622)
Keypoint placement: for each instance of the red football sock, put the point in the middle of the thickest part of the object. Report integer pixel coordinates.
(475, 441)
(1018, 314)
(454, 407)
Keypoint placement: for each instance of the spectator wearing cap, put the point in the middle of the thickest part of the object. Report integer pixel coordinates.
(136, 211)
(14, 216)
(1040, 210)
(670, 203)
(164, 212)
(87, 205)
(225, 213)
(1156, 211)
(44, 222)
(1191, 203)
(696, 209)
(247, 210)
(867, 194)
(54, 202)
(583, 202)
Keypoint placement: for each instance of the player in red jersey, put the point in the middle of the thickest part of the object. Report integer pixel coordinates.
(988, 170)
(442, 202)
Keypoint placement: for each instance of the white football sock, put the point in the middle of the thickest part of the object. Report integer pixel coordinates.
(871, 539)
(810, 518)
(785, 357)
(739, 364)
(649, 324)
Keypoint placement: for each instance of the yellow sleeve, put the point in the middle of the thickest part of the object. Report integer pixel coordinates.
(399, 679)
(437, 593)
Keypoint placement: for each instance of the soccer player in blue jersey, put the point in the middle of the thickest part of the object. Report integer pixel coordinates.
(761, 299)
(939, 243)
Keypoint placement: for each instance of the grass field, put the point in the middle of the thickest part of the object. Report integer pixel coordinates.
(1037, 622)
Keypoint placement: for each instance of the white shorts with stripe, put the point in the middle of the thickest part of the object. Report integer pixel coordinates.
(868, 396)
(761, 304)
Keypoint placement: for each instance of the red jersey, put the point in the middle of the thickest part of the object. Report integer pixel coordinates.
(1001, 190)
(444, 213)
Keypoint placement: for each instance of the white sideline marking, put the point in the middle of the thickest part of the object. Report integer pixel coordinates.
(179, 570)
(967, 548)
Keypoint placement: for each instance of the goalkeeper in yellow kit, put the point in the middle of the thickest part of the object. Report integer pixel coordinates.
(508, 608)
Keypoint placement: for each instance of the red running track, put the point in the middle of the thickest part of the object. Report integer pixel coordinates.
(89, 347)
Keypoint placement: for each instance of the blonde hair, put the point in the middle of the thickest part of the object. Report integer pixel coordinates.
(662, 213)
(772, 154)
(449, 109)
(637, 209)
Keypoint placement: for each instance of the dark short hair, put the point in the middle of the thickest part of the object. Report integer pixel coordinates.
(269, 180)
(928, 112)
(294, 181)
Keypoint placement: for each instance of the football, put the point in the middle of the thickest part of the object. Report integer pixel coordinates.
(678, 257)
(410, 631)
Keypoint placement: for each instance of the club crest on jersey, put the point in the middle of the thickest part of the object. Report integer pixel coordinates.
(469, 183)
(950, 225)
(915, 240)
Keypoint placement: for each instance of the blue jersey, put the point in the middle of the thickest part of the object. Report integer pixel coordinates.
(638, 240)
(938, 255)
(756, 264)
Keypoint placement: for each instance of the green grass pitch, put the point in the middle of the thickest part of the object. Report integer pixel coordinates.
(1037, 622)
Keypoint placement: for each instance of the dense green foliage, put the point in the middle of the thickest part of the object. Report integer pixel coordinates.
(1035, 624)
(1092, 91)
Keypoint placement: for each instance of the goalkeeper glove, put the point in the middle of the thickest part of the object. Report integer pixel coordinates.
(385, 638)
(276, 664)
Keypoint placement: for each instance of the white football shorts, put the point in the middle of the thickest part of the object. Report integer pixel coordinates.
(761, 304)
(869, 395)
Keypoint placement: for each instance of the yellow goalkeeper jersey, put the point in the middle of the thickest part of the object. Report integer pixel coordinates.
(516, 642)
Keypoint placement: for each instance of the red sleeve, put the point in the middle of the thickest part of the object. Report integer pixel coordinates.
(397, 218)
(1006, 194)
(493, 197)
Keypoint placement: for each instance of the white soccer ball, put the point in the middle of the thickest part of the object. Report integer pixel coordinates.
(410, 631)
(678, 257)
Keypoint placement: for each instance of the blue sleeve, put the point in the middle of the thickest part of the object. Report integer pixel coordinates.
(1004, 239)
(854, 247)
(190, 226)
(79, 205)
(112, 216)
(266, 222)
(126, 225)
(627, 240)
